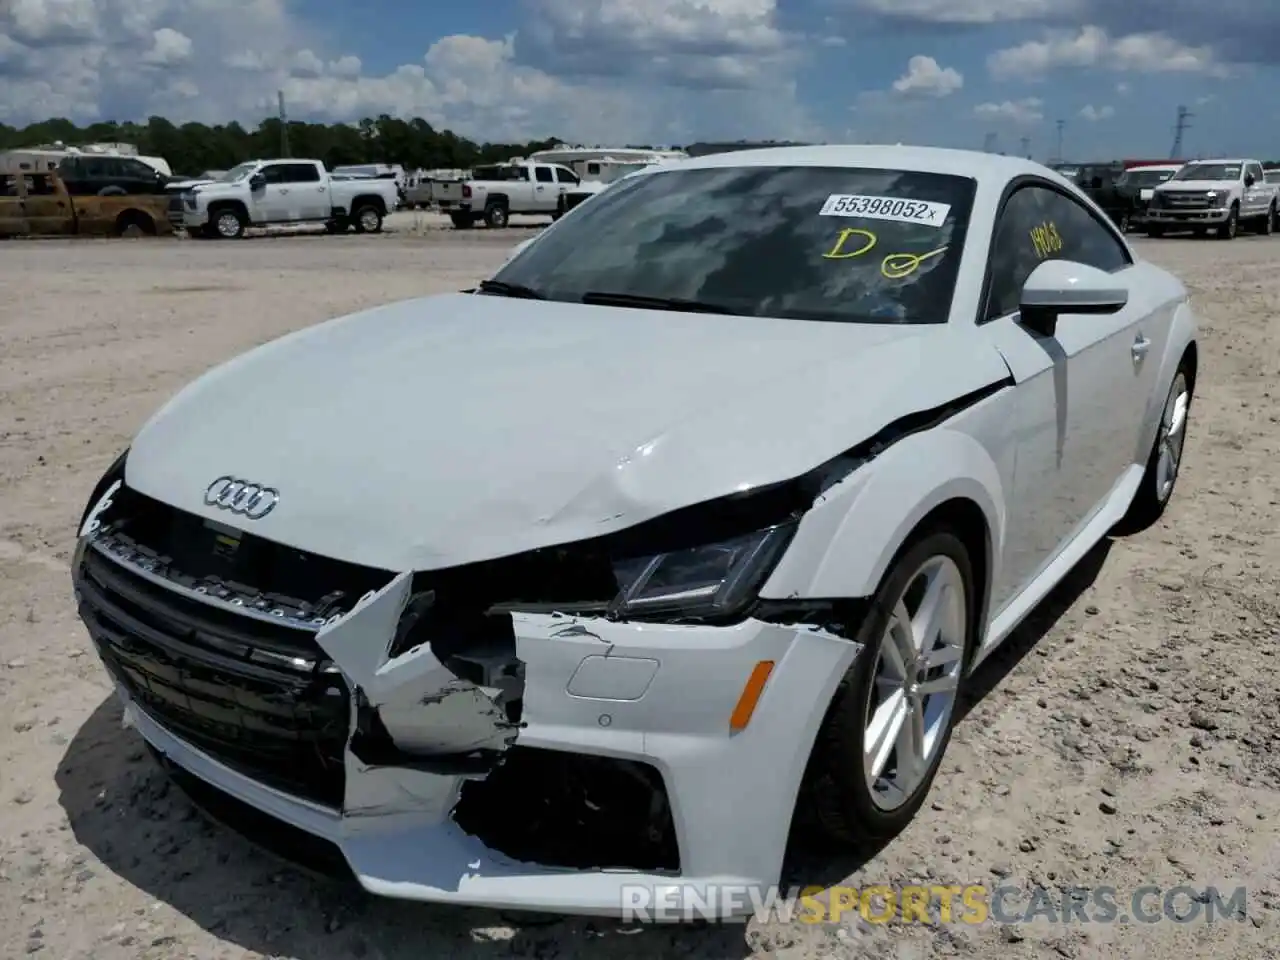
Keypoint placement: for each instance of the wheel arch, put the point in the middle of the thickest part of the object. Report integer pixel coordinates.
(237, 205)
(369, 199)
(849, 539)
(133, 215)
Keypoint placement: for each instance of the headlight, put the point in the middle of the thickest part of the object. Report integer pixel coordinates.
(710, 582)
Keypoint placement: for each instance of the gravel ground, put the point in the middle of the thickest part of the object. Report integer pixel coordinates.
(1126, 736)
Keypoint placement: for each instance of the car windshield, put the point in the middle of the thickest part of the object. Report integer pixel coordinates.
(1209, 171)
(853, 245)
(1144, 178)
(239, 172)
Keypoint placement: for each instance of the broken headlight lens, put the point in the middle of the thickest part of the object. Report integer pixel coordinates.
(708, 582)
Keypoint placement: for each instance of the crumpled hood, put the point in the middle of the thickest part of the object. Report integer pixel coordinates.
(462, 427)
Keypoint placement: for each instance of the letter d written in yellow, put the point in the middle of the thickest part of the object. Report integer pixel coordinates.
(866, 238)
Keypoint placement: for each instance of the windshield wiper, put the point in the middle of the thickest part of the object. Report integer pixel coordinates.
(606, 299)
(504, 289)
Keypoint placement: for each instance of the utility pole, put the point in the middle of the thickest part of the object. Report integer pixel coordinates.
(284, 125)
(1057, 155)
(1181, 127)
(1026, 147)
(989, 143)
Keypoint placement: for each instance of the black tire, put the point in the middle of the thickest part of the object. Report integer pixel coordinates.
(1229, 229)
(461, 221)
(227, 223)
(134, 224)
(835, 797)
(1155, 233)
(1153, 496)
(1269, 221)
(367, 219)
(495, 216)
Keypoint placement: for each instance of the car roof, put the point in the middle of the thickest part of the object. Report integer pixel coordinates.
(980, 166)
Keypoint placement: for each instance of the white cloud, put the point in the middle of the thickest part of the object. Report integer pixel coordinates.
(1094, 114)
(968, 11)
(1123, 89)
(169, 48)
(1093, 47)
(659, 71)
(1026, 111)
(925, 78)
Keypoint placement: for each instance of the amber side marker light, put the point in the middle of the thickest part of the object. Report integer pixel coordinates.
(741, 715)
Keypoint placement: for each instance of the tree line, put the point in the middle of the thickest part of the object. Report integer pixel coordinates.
(192, 148)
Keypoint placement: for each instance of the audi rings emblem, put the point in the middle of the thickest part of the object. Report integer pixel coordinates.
(250, 500)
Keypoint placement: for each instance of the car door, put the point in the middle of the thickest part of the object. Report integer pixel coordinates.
(1256, 196)
(47, 209)
(308, 192)
(545, 194)
(270, 201)
(13, 220)
(1077, 402)
(566, 180)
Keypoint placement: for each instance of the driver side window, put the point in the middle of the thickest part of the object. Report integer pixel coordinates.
(1013, 256)
(273, 174)
(1040, 224)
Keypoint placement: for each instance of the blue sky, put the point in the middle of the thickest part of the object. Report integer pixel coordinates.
(949, 72)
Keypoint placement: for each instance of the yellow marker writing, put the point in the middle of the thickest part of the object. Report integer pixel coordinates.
(838, 252)
(899, 265)
(1046, 240)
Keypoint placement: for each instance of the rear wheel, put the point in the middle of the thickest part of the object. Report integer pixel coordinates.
(495, 215)
(891, 718)
(135, 224)
(368, 219)
(1269, 221)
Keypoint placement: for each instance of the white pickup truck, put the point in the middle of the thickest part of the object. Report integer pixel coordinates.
(265, 193)
(495, 192)
(1221, 195)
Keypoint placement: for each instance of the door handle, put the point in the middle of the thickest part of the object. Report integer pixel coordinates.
(1140, 347)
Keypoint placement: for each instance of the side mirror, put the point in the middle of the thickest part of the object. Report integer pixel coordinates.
(1064, 286)
(257, 182)
(1250, 179)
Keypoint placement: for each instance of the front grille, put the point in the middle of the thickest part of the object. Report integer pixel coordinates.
(237, 674)
(175, 203)
(1185, 200)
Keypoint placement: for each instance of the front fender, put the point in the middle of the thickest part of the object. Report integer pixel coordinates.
(848, 539)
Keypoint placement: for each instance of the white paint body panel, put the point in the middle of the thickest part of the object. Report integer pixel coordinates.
(462, 428)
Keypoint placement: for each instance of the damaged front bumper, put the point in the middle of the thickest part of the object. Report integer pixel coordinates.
(431, 789)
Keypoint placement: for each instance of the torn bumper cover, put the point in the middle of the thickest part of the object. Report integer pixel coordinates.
(437, 738)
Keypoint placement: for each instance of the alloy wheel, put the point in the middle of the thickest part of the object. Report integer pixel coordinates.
(1173, 433)
(228, 225)
(916, 680)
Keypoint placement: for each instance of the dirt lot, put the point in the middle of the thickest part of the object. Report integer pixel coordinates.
(1128, 735)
